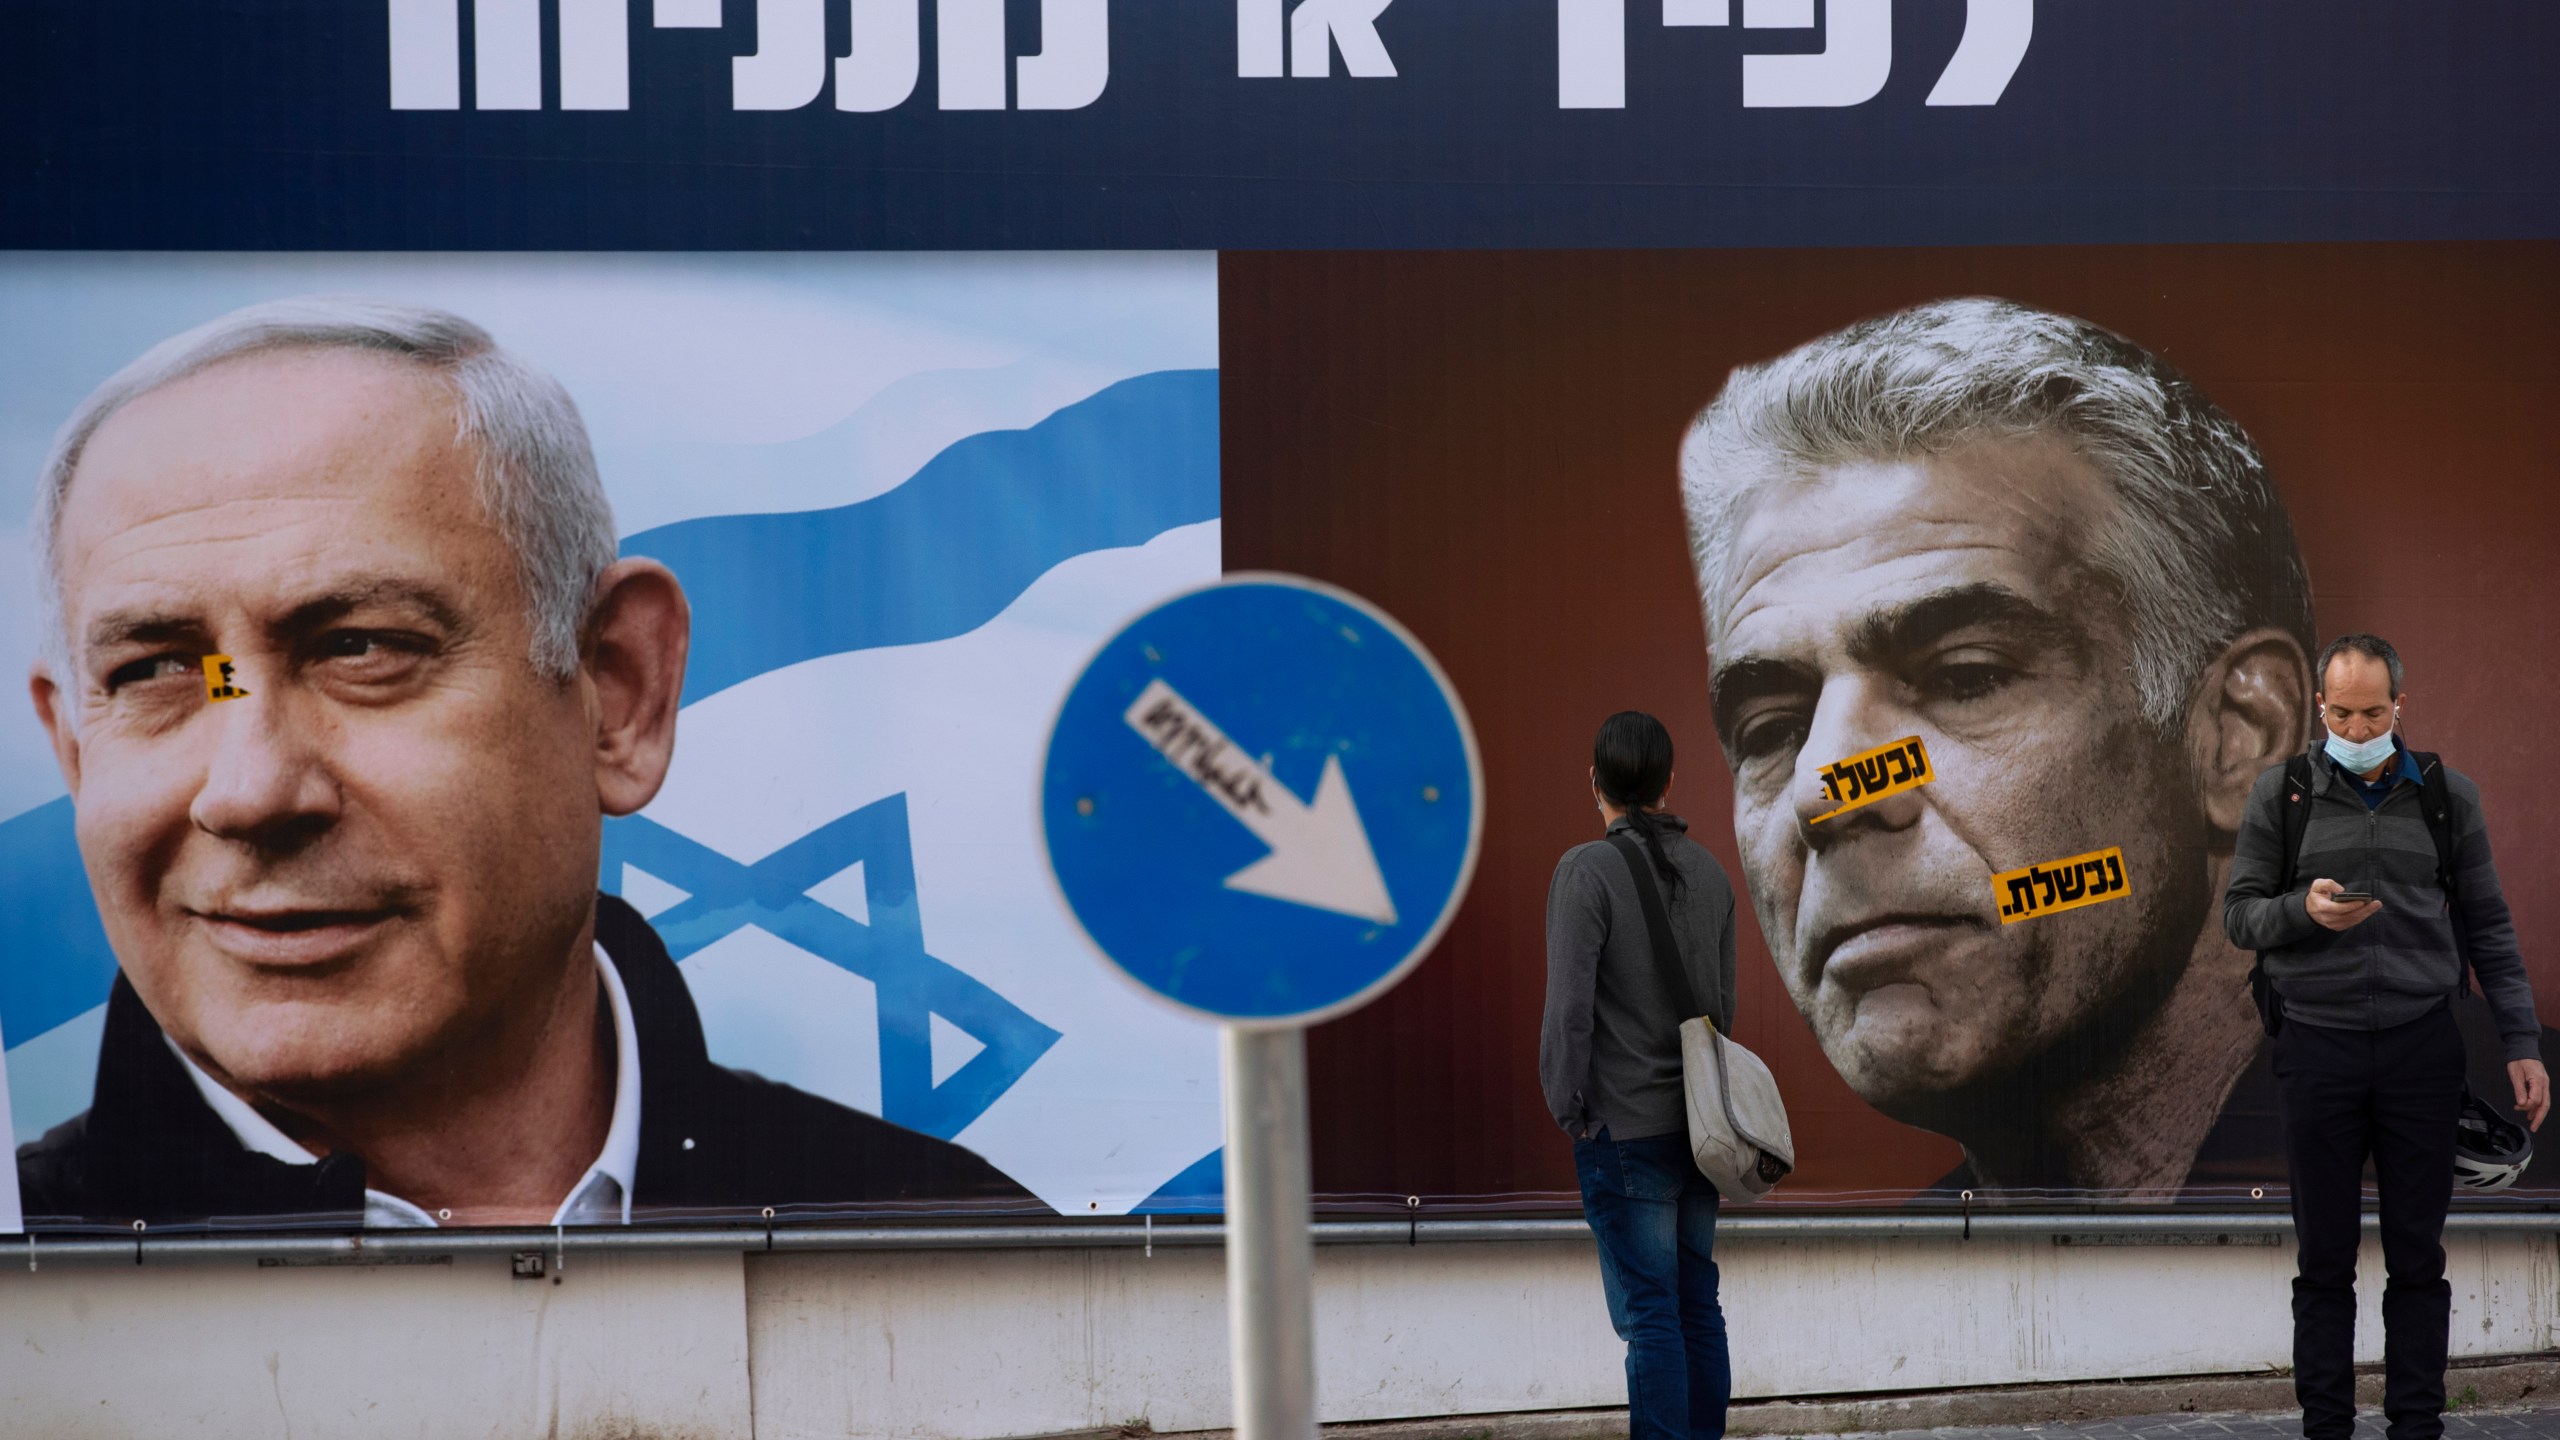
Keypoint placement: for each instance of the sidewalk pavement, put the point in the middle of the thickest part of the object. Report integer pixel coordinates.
(2514, 1423)
(2512, 1397)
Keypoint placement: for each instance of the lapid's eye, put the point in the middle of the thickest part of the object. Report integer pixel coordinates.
(1780, 732)
(1964, 676)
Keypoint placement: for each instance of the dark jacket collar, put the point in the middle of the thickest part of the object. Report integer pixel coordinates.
(151, 1147)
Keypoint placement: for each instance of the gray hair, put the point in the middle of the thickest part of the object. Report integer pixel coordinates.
(2204, 551)
(535, 472)
(2372, 647)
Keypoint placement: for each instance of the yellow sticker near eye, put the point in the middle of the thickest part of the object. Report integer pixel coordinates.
(1871, 775)
(2060, 885)
(218, 680)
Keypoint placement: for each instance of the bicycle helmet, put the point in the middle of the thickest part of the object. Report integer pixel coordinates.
(2489, 1150)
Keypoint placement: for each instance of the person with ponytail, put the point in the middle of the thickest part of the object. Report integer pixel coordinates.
(1609, 1061)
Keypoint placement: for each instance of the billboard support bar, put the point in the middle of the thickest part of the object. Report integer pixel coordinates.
(393, 1247)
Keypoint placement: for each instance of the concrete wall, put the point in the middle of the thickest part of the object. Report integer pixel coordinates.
(968, 1345)
(622, 1347)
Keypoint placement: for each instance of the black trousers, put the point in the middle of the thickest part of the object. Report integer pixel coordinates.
(2391, 1096)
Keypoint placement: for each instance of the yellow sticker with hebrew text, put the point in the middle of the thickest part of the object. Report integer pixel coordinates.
(1871, 775)
(2059, 885)
(220, 683)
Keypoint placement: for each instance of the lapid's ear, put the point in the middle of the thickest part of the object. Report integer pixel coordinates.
(2251, 710)
(633, 668)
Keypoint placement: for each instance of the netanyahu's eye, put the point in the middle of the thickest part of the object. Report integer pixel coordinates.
(370, 656)
(151, 668)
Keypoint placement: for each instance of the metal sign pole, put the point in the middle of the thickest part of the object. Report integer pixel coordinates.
(1270, 1260)
(1156, 775)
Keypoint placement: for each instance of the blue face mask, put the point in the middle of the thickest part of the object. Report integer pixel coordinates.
(2360, 756)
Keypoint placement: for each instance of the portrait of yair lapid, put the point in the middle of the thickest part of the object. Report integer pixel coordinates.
(2036, 546)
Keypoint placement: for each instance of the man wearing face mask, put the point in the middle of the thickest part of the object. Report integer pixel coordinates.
(2364, 932)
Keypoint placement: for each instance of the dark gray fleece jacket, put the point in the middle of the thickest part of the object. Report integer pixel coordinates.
(2403, 962)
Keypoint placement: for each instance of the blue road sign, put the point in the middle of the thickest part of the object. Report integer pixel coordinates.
(1262, 801)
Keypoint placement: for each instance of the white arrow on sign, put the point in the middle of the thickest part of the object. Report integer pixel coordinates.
(1320, 853)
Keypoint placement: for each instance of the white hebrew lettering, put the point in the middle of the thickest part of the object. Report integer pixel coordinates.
(1260, 29)
(426, 55)
(789, 67)
(1996, 33)
(881, 72)
(1697, 12)
(685, 14)
(1318, 27)
(1777, 14)
(1074, 63)
(1856, 58)
(506, 55)
(595, 54)
(1591, 54)
(969, 53)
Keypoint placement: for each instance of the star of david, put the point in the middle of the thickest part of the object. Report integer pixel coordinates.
(912, 986)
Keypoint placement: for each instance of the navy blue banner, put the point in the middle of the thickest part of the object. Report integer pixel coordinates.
(948, 124)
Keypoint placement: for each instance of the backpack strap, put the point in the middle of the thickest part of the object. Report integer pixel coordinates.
(2435, 798)
(1657, 924)
(2294, 817)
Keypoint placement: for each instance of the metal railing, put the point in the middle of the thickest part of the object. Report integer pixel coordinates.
(559, 1247)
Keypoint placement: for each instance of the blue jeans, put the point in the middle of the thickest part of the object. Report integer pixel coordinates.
(1655, 1218)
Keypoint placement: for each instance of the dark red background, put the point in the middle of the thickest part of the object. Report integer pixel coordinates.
(1484, 444)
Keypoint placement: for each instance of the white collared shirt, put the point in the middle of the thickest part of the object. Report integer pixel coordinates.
(602, 1196)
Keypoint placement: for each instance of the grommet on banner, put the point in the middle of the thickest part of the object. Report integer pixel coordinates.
(768, 1227)
(2257, 1192)
(1412, 1220)
(138, 1227)
(1967, 1197)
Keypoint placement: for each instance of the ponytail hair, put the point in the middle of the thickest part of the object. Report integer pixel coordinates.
(1631, 763)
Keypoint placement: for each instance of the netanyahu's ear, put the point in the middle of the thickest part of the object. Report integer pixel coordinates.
(2252, 710)
(54, 711)
(637, 638)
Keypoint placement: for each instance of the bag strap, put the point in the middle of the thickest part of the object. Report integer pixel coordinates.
(2435, 798)
(2294, 818)
(1657, 923)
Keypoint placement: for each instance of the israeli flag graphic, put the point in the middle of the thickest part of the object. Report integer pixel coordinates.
(907, 496)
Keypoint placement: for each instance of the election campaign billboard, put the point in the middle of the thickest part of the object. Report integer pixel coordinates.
(1996, 966)
(901, 498)
(556, 530)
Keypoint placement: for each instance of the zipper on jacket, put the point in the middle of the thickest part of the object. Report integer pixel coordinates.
(2372, 849)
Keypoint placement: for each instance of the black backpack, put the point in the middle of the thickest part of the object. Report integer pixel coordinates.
(2435, 800)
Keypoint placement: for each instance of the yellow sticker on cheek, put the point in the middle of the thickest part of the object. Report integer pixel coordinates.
(218, 678)
(1871, 775)
(2060, 885)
